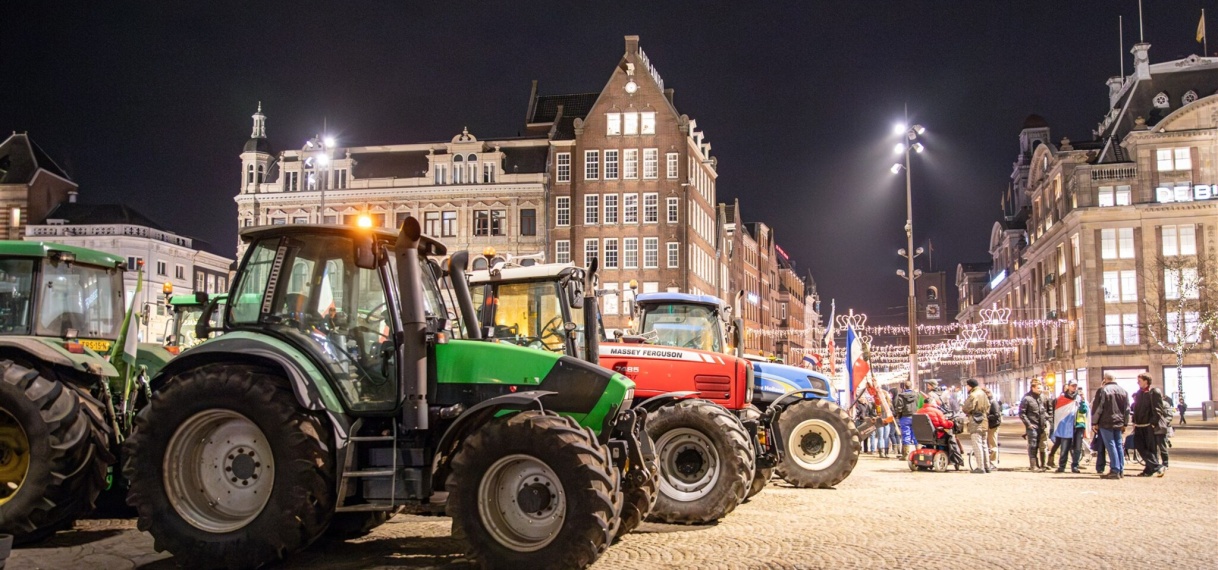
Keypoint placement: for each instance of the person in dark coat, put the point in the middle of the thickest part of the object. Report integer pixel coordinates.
(1110, 416)
(1182, 407)
(1147, 422)
(1035, 421)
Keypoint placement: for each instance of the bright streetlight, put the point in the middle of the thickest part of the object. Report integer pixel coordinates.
(911, 135)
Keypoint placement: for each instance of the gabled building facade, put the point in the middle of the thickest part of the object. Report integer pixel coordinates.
(31, 185)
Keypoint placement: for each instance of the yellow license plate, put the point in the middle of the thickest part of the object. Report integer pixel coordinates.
(97, 345)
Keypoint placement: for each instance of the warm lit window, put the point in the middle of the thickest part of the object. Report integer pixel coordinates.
(1078, 290)
(1181, 283)
(1121, 329)
(1116, 243)
(1190, 326)
(1061, 259)
(1174, 159)
(613, 124)
(1179, 240)
(1075, 253)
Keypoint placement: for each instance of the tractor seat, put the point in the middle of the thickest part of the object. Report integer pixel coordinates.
(925, 432)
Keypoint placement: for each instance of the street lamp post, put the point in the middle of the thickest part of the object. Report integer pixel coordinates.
(910, 134)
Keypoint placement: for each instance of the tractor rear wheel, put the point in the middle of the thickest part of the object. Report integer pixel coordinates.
(706, 462)
(821, 445)
(533, 490)
(226, 469)
(761, 475)
(53, 454)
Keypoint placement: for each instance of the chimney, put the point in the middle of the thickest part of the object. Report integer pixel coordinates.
(632, 44)
(1141, 60)
(72, 196)
(668, 93)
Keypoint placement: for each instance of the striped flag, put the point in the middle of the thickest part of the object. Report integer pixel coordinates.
(829, 346)
(856, 363)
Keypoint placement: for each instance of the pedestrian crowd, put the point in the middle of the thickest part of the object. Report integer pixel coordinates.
(1059, 430)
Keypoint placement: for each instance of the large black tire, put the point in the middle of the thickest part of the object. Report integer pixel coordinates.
(706, 462)
(639, 500)
(176, 447)
(543, 461)
(356, 524)
(761, 475)
(54, 453)
(820, 444)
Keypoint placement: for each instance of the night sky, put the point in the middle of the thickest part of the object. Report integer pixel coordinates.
(151, 105)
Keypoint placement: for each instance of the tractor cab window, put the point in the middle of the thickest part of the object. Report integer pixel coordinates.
(686, 326)
(530, 314)
(16, 283)
(81, 298)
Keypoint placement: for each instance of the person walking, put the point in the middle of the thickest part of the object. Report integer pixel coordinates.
(1071, 413)
(1147, 420)
(1181, 407)
(1110, 415)
(904, 407)
(1035, 420)
(976, 410)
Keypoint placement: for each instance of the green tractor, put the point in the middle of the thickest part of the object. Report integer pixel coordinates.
(187, 309)
(63, 405)
(337, 397)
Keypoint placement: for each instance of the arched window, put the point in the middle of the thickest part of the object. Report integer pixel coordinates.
(472, 162)
(458, 168)
(932, 293)
(261, 173)
(249, 174)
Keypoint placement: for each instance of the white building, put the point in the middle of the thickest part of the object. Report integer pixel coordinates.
(167, 257)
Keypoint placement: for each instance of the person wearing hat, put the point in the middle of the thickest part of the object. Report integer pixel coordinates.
(1035, 418)
(976, 409)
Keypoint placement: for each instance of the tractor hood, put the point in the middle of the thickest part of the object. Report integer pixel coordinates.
(774, 380)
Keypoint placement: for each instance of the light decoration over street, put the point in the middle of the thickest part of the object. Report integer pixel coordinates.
(995, 315)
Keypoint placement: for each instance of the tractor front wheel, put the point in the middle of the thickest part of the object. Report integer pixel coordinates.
(821, 445)
(53, 454)
(533, 490)
(226, 469)
(706, 462)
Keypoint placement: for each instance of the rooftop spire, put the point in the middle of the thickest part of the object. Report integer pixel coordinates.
(259, 124)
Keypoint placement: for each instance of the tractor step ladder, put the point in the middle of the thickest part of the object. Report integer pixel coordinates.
(350, 474)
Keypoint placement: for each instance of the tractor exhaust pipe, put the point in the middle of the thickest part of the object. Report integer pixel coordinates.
(592, 333)
(412, 340)
(738, 324)
(455, 267)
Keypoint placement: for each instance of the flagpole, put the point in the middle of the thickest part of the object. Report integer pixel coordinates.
(1205, 38)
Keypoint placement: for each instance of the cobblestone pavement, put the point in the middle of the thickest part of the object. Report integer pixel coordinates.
(883, 516)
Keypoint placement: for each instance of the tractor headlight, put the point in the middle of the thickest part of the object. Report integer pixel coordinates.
(628, 401)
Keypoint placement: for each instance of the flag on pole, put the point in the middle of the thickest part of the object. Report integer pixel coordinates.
(829, 347)
(1201, 28)
(812, 361)
(123, 352)
(856, 363)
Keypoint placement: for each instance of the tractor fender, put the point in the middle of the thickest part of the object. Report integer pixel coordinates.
(306, 379)
(152, 356)
(656, 402)
(471, 419)
(782, 400)
(52, 352)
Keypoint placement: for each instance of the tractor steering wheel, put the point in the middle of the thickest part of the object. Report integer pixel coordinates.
(371, 317)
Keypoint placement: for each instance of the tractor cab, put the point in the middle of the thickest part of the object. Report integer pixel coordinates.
(682, 320)
(187, 309)
(52, 291)
(537, 306)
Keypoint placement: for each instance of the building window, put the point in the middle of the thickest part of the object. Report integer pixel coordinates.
(630, 123)
(179, 272)
(1118, 196)
(630, 164)
(1120, 286)
(613, 124)
(1174, 159)
(291, 182)
(591, 252)
(1180, 282)
(563, 167)
(562, 251)
(1179, 240)
(648, 126)
(488, 172)
(562, 211)
(610, 253)
(672, 210)
(1121, 329)
(490, 222)
(672, 165)
(449, 224)
(1116, 243)
(651, 163)
(1075, 252)
(630, 208)
(160, 268)
(651, 253)
(1191, 327)
(249, 174)
(630, 253)
(458, 169)
(340, 178)
(431, 223)
(674, 255)
(200, 283)
(610, 165)
(1061, 259)
(1078, 290)
(610, 209)
(651, 208)
(592, 164)
(592, 209)
(528, 222)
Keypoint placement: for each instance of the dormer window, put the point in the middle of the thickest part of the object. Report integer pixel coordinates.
(648, 123)
(1189, 97)
(613, 124)
(630, 123)
(1161, 100)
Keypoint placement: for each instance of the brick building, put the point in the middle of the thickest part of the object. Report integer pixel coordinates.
(31, 185)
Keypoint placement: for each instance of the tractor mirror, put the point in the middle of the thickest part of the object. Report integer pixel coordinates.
(574, 295)
(365, 253)
(203, 328)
